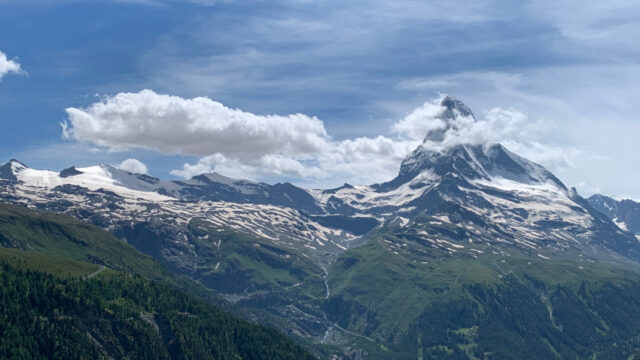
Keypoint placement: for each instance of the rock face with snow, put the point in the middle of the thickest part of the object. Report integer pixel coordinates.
(234, 235)
(8, 171)
(468, 196)
(216, 187)
(625, 213)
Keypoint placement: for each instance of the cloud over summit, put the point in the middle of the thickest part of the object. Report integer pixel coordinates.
(134, 166)
(242, 144)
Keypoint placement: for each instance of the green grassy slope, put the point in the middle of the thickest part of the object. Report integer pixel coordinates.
(264, 278)
(64, 236)
(492, 306)
(232, 262)
(46, 263)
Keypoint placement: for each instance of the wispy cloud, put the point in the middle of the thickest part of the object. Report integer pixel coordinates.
(315, 56)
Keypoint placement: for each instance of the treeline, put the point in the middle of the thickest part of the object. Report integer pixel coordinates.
(122, 316)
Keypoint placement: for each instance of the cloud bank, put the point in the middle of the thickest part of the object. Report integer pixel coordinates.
(8, 66)
(198, 126)
(133, 166)
(242, 144)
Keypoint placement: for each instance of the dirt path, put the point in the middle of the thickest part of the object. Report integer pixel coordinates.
(93, 274)
(360, 336)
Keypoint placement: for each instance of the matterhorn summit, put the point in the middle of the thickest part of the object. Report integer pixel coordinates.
(452, 110)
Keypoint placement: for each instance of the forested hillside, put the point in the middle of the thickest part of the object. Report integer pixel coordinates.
(71, 290)
(116, 315)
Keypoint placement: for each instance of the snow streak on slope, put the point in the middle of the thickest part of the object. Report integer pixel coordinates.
(542, 201)
(279, 224)
(365, 198)
(624, 212)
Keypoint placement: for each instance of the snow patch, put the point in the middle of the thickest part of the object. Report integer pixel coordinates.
(621, 224)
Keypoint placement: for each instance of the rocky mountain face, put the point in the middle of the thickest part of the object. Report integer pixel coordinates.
(325, 264)
(625, 213)
(470, 195)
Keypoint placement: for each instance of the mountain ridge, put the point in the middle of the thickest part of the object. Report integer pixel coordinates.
(460, 198)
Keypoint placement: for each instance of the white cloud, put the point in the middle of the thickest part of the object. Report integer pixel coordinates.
(8, 66)
(498, 125)
(581, 112)
(231, 141)
(133, 166)
(554, 158)
(469, 79)
(366, 160)
(198, 126)
(205, 165)
(422, 120)
(360, 161)
(266, 166)
(506, 126)
(245, 145)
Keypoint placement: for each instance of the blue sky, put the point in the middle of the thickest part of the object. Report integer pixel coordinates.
(566, 73)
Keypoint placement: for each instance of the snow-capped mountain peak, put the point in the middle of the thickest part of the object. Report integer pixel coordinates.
(452, 110)
(454, 107)
(10, 169)
(105, 177)
(471, 162)
(485, 192)
(17, 165)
